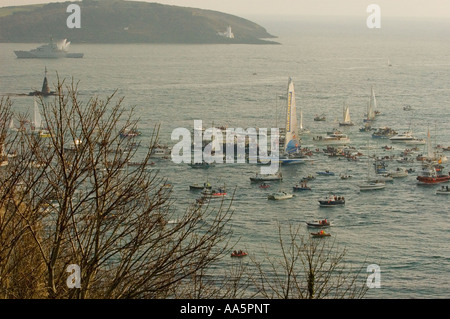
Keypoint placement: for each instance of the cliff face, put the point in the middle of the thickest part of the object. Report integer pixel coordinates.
(126, 22)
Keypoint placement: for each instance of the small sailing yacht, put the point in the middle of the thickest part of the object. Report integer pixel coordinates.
(346, 118)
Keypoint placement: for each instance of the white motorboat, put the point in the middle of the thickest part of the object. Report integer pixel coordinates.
(266, 177)
(280, 195)
(49, 51)
(333, 138)
(371, 185)
(399, 173)
(444, 190)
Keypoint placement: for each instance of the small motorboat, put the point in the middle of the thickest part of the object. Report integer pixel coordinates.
(320, 118)
(200, 187)
(214, 193)
(239, 253)
(444, 190)
(280, 195)
(325, 173)
(301, 187)
(319, 223)
(332, 201)
(345, 176)
(320, 234)
(369, 186)
(307, 178)
(266, 177)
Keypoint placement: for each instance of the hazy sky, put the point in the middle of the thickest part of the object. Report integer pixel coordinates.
(244, 8)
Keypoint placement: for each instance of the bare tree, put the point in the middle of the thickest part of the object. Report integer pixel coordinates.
(78, 201)
(307, 269)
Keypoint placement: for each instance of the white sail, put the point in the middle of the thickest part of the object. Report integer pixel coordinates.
(346, 113)
(372, 106)
(291, 138)
(37, 116)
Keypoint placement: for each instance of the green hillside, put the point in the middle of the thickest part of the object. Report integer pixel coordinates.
(126, 22)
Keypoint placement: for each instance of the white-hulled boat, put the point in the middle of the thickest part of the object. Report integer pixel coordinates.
(346, 118)
(280, 195)
(407, 138)
(444, 190)
(266, 177)
(371, 185)
(49, 51)
(319, 223)
(399, 173)
(333, 138)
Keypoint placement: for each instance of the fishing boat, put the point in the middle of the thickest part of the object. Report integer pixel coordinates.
(332, 201)
(319, 223)
(280, 195)
(346, 117)
(320, 234)
(432, 174)
(444, 190)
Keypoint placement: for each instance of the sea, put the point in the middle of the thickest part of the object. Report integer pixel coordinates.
(404, 228)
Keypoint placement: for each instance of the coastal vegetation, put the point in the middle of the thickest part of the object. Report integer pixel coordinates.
(121, 21)
(70, 198)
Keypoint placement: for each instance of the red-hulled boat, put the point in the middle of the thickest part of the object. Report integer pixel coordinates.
(433, 175)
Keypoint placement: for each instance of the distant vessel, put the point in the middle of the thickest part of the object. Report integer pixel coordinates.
(49, 51)
(333, 138)
(346, 118)
(45, 91)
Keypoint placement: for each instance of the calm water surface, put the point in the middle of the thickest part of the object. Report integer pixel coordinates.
(403, 228)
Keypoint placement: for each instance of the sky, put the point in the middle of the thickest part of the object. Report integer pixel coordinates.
(250, 8)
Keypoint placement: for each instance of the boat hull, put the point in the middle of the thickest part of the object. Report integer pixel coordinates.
(425, 180)
(47, 55)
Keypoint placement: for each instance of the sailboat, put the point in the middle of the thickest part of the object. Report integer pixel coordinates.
(371, 113)
(291, 152)
(37, 123)
(371, 184)
(347, 121)
(302, 130)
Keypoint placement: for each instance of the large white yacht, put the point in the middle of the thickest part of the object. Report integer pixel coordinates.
(406, 138)
(51, 50)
